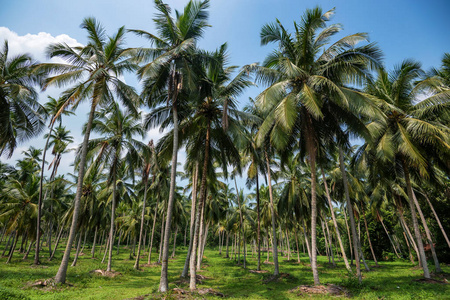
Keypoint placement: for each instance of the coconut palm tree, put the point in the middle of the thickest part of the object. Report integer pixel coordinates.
(167, 75)
(118, 130)
(21, 115)
(95, 70)
(307, 82)
(410, 136)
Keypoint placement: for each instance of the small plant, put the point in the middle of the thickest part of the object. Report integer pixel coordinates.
(350, 281)
(9, 294)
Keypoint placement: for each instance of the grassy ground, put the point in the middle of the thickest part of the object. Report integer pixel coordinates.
(393, 280)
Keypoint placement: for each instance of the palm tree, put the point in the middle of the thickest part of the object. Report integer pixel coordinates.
(167, 75)
(117, 130)
(410, 135)
(95, 70)
(21, 115)
(307, 87)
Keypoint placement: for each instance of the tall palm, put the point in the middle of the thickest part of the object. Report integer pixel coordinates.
(308, 88)
(410, 135)
(21, 115)
(95, 70)
(167, 75)
(117, 130)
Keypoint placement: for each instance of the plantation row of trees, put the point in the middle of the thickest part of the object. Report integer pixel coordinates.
(352, 203)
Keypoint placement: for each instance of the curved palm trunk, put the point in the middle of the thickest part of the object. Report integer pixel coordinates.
(56, 243)
(136, 264)
(191, 232)
(241, 223)
(174, 241)
(423, 259)
(74, 263)
(41, 185)
(113, 213)
(62, 271)
(438, 220)
(333, 217)
(193, 258)
(200, 235)
(428, 234)
(389, 236)
(164, 284)
(350, 212)
(276, 271)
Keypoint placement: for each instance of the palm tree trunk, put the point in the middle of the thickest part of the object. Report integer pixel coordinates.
(62, 271)
(389, 236)
(13, 247)
(56, 243)
(164, 283)
(330, 239)
(258, 231)
(28, 251)
(409, 235)
(113, 214)
(93, 244)
(192, 283)
(350, 212)
(191, 230)
(200, 235)
(84, 242)
(428, 234)
(360, 248)
(74, 263)
(118, 241)
(161, 240)
(174, 241)
(368, 237)
(423, 259)
(276, 271)
(106, 248)
(438, 220)
(349, 237)
(241, 225)
(327, 246)
(296, 243)
(308, 248)
(136, 263)
(312, 149)
(41, 187)
(153, 233)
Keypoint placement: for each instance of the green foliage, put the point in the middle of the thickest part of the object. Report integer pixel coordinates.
(10, 294)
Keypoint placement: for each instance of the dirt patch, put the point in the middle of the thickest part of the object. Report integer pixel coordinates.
(327, 289)
(45, 285)
(38, 267)
(268, 263)
(428, 280)
(258, 272)
(179, 293)
(275, 278)
(202, 292)
(110, 274)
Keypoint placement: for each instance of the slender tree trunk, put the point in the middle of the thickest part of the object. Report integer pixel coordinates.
(428, 235)
(258, 232)
(241, 222)
(164, 283)
(409, 235)
(93, 244)
(185, 234)
(276, 271)
(153, 233)
(28, 251)
(360, 247)
(423, 259)
(312, 149)
(74, 263)
(350, 212)
(389, 236)
(84, 242)
(41, 187)
(296, 243)
(161, 241)
(118, 241)
(136, 263)
(330, 239)
(62, 271)
(327, 245)
(191, 228)
(106, 248)
(13, 247)
(56, 243)
(227, 246)
(192, 265)
(7, 243)
(349, 237)
(288, 245)
(438, 220)
(200, 235)
(368, 237)
(113, 214)
(307, 244)
(174, 241)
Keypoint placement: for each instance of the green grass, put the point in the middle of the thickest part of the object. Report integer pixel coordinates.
(393, 280)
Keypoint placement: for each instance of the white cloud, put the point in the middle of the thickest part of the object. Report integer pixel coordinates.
(34, 44)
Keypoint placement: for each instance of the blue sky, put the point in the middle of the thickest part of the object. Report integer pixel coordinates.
(403, 29)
